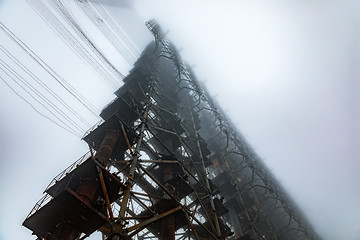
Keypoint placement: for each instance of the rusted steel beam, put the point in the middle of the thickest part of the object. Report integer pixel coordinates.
(185, 209)
(126, 137)
(192, 227)
(212, 204)
(107, 146)
(143, 204)
(203, 207)
(103, 187)
(160, 161)
(129, 182)
(163, 130)
(144, 223)
(168, 228)
(150, 196)
(168, 222)
(137, 217)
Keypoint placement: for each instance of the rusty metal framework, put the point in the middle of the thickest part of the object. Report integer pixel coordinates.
(166, 163)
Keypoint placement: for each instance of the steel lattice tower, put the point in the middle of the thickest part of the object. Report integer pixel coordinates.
(167, 163)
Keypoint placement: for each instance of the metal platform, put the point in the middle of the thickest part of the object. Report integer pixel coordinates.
(185, 170)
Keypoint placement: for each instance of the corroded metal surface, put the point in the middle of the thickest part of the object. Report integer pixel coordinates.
(186, 171)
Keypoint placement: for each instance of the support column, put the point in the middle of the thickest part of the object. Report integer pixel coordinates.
(67, 231)
(118, 230)
(107, 146)
(168, 222)
(207, 183)
(88, 186)
(235, 223)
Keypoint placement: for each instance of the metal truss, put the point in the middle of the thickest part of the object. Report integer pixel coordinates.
(166, 163)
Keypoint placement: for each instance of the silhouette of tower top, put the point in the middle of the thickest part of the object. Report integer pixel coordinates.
(166, 163)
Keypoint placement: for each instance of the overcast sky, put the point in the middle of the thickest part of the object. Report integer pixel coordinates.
(286, 72)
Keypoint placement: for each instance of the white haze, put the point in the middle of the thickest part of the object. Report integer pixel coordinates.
(286, 72)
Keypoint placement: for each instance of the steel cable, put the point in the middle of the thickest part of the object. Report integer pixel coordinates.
(43, 98)
(42, 84)
(67, 128)
(48, 69)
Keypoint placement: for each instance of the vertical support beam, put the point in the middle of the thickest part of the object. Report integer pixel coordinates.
(129, 182)
(235, 222)
(103, 186)
(257, 202)
(107, 146)
(168, 222)
(207, 183)
(88, 186)
(143, 224)
(126, 137)
(187, 211)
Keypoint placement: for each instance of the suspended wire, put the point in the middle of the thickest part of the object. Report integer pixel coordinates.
(48, 69)
(73, 43)
(41, 96)
(79, 49)
(67, 128)
(36, 109)
(107, 32)
(42, 84)
(67, 37)
(110, 30)
(113, 81)
(118, 29)
(67, 16)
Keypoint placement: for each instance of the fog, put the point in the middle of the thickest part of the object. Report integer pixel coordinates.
(286, 72)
